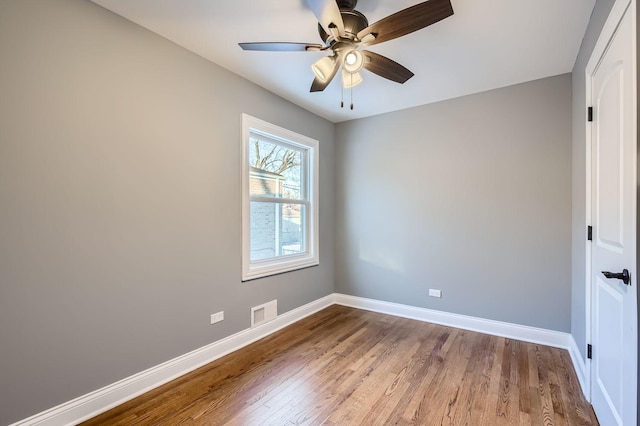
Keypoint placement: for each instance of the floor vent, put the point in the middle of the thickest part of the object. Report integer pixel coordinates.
(264, 313)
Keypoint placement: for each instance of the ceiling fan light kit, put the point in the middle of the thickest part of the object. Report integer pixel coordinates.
(324, 68)
(353, 61)
(344, 30)
(350, 79)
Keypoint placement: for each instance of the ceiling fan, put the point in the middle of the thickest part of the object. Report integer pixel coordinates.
(344, 30)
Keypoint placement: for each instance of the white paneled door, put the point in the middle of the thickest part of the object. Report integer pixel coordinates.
(613, 216)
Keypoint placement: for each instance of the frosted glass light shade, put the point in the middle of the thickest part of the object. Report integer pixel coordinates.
(323, 69)
(350, 79)
(353, 61)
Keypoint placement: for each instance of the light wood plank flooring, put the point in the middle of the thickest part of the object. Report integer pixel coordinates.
(345, 366)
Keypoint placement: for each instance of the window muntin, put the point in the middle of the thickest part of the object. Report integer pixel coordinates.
(280, 194)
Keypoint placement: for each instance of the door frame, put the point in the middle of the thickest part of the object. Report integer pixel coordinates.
(608, 30)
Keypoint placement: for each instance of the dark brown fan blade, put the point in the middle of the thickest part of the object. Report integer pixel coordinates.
(407, 21)
(319, 85)
(385, 67)
(281, 47)
(328, 15)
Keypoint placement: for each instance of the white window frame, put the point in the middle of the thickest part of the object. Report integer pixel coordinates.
(285, 263)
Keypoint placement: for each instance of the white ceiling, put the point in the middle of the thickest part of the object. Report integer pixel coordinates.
(485, 45)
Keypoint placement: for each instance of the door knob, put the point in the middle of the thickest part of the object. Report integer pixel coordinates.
(624, 275)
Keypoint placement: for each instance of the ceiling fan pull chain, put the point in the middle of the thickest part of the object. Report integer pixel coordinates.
(351, 92)
(341, 96)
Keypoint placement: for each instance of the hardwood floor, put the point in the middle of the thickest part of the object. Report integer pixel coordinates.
(345, 366)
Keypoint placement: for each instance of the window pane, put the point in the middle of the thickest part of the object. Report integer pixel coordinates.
(276, 229)
(279, 205)
(275, 170)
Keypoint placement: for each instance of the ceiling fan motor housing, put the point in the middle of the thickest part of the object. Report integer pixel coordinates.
(354, 22)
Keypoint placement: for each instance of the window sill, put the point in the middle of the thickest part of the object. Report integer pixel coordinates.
(279, 266)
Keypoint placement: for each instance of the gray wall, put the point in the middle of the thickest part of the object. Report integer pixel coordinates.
(471, 196)
(579, 225)
(120, 210)
(120, 204)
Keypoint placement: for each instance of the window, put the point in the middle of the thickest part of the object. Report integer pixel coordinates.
(279, 200)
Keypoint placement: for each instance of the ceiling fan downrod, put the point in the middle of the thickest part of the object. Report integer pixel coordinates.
(347, 4)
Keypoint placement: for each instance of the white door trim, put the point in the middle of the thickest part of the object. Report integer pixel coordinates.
(608, 30)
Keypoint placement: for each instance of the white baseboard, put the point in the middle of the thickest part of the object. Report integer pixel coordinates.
(525, 333)
(101, 400)
(580, 365)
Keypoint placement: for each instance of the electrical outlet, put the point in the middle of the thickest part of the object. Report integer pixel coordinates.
(217, 317)
(435, 293)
